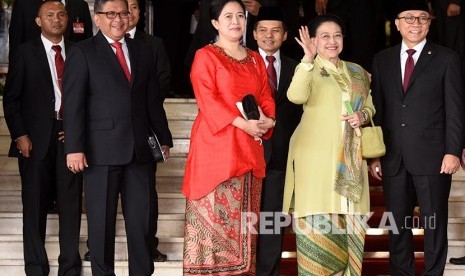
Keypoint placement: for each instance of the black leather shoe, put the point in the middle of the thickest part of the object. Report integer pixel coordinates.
(157, 256)
(87, 256)
(457, 261)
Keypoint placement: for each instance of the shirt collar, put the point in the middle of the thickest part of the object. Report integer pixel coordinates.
(277, 55)
(132, 32)
(122, 41)
(48, 44)
(418, 48)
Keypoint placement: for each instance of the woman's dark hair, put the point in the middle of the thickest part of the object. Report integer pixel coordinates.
(217, 6)
(316, 22)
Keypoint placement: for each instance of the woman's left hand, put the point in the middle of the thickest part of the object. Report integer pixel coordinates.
(355, 120)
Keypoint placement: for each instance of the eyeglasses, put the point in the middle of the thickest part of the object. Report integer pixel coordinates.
(327, 37)
(410, 19)
(112, 14)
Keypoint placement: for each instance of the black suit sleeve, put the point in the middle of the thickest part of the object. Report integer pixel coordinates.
(377, 95)
(454, 101)
(75, 79)
(156, 112)
(16, 34)
(163, 67)
(12, 97)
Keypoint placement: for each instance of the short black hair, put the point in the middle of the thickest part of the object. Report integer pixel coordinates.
(216, 7)
(98, 4)
(45, 2)
(316, 22)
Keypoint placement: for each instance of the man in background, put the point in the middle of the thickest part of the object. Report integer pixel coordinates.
(23, 27)
(33, 112)
(270, 31)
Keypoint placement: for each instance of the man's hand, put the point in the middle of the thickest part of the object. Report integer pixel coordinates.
(453, 10)
(166, 151)
(76, 162)
(375, 168)
(450, 164)
(252, 6)
(24, 145)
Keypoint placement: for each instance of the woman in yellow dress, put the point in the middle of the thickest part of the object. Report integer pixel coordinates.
(326, 181)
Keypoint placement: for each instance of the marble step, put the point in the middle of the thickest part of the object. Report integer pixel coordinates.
(168, 203)
(457, 206)
(456, 249)
(174, 167)
(12, 182)
(456, 229)
(11, 247)
(169, 225)
(180, 146)
(16, 268)
(180, 114)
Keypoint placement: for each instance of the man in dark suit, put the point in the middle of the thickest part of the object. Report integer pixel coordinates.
(418, 95)
(23, 27)
(270, 32)
(111, 103)
(162, 65)
(32, 105)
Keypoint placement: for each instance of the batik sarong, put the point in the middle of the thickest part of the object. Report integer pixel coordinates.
(329, 244)
(219, 229)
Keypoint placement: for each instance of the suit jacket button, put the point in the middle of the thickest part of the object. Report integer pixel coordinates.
(404, 105)
(402, 125)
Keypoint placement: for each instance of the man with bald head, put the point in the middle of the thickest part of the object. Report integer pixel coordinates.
(33, 112)
(111, 104)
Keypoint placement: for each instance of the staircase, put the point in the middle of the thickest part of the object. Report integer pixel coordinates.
(181, 113)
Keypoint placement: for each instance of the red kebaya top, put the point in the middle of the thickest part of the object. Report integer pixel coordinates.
(218, 150)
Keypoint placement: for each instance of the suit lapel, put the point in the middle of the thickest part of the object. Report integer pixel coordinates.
(109, 56)
(425, 56)
(43, 64)
(133, 57)
(397, 71)
(283, 79)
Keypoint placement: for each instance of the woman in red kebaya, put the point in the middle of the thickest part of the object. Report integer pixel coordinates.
(225, 164)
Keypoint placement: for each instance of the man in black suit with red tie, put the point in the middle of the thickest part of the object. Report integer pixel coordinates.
(32, 105)
(419, 98)
(270, 31)
(111, 101)
(23, 27)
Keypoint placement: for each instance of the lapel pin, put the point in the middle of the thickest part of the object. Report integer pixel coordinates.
(429, 52)
(323, 72)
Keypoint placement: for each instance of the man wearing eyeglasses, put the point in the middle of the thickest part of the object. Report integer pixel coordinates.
(418, 94)
(112, 102)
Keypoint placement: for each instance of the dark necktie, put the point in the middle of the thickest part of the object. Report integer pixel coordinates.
(271, 71)
(60, 66)
(409, 65)
(122, 61)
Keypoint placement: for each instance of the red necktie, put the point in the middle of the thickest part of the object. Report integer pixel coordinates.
(122, 61)
(271, 71)
(409, 65)
(60, 66)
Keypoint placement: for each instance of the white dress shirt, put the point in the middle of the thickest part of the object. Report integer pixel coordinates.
(403, 55)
